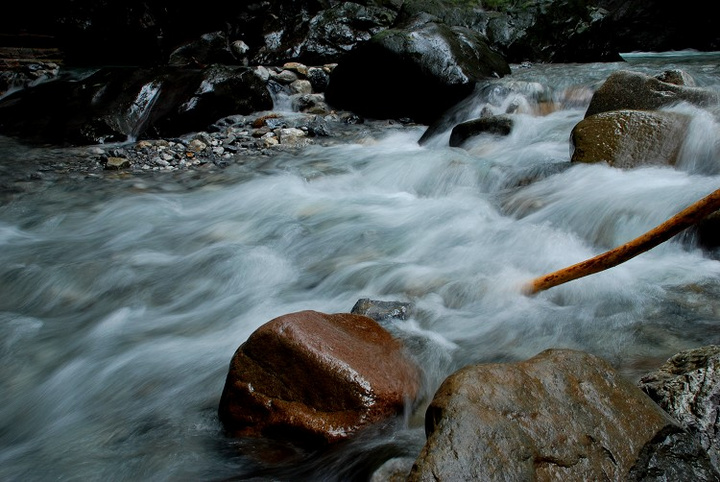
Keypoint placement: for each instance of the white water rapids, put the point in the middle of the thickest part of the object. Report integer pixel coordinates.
(122, 301)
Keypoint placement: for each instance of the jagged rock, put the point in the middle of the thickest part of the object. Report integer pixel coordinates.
(632, 90)
(630, 138)
(677, 77)
(561, 415)
(333, 32)
(687, 387)
(417, 71)
(316, 378)
(499, 125)
(382, 310)
(318, 79)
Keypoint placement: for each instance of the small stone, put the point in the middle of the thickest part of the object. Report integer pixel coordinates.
(270, 141)
(290, 135)
(301, 86)
(284, 77)
(196, 145)
(296, 67)
(115, 163)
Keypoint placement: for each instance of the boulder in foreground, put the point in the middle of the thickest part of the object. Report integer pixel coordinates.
(630, 138)
(315, 378)
(562, 415)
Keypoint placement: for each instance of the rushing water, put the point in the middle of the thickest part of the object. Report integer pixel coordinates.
(122, 300)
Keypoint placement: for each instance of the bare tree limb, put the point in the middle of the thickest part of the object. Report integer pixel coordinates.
(684, 219)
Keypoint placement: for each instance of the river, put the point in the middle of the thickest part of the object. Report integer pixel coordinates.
(123, 298)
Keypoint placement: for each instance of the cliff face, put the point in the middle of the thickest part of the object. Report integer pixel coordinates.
(140, 32)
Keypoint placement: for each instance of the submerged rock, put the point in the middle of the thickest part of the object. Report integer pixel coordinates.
(562, 415)
(499, 125)
(382, 310)
(630, 138)
(687, 386)
(632, 90)
(316, 378)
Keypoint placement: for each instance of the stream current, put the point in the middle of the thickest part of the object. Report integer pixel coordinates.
(123, 298)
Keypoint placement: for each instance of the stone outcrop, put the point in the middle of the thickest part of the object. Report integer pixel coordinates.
(115, 104)
(562, 415)
(416, 71)
(630, 138)
(632, 90)
(687, 387)
(316, 378)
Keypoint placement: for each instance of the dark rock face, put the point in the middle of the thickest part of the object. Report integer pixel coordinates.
(114, 104)
(315, 378)
(145, 32)
(418, 71)
(632, 90)
(630, 138)
(687, 386)
(334, 32)
(499, 125)
(562, 415)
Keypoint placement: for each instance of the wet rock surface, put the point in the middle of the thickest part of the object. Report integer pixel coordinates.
(315, 378)
(391, 75)
(630, 138)
(495, 125)
(114, 104)
(687, 386)
(632, 90)
(562, 415)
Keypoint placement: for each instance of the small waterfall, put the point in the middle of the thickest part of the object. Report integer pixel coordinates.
(139, 111)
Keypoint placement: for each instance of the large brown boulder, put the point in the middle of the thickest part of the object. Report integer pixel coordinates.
(562, 415)
(632, 90)
(315, 378)
(687, 386)
(630, 138)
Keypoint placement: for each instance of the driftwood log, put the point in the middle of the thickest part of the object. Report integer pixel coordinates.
(684, 219)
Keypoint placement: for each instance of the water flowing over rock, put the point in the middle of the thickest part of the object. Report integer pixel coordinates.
(499, 125)
(316, 378)
(562, 415)
(687, 386)
(417, 71)
(630, 138)
(632, 90)
(116, 104)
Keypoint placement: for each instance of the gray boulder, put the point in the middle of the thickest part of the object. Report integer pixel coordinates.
(630, 138)
(417, 71)
(687, 386)
(561, 415)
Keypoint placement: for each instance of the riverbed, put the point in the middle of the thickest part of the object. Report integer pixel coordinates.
(124, 295)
